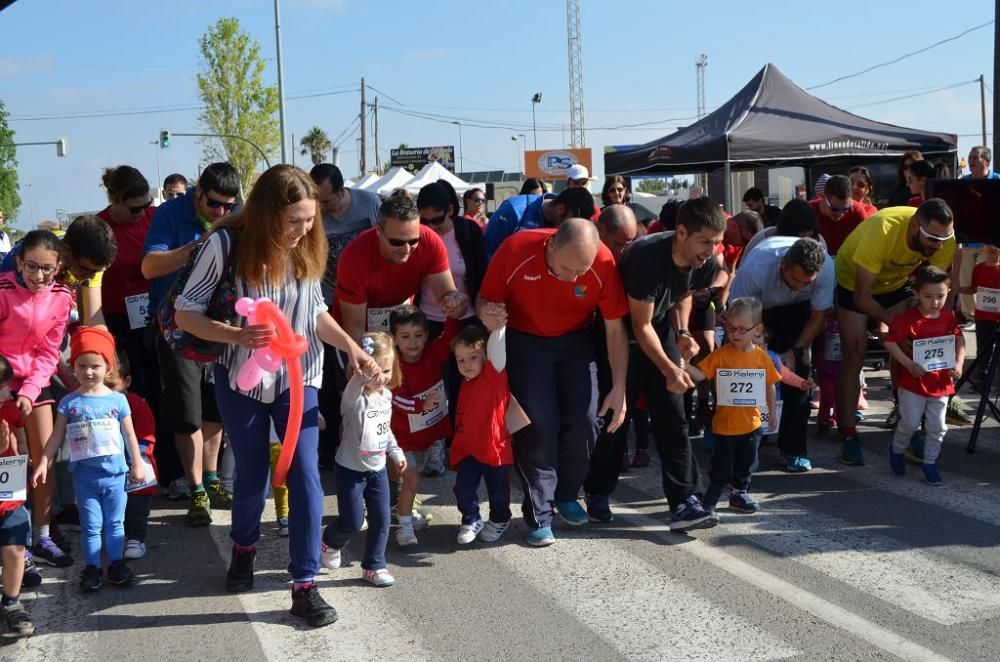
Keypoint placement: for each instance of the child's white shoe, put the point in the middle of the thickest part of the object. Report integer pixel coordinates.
(493, 531)
(468, 532)
(405, 536)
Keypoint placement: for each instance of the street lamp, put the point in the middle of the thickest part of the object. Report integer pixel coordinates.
(535, 100)
(518, 148)
(461, 158)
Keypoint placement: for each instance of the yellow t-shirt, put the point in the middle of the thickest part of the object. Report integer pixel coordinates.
(879, 245)
(731, 420)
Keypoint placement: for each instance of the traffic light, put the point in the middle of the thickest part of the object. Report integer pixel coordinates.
(164, 139)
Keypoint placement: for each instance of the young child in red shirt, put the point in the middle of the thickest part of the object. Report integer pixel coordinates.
(986, 286)
(419, 406)
(481, 449)
(924, 380)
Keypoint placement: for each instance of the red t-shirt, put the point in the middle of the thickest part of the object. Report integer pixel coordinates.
(480, 419)
(911, 326)
(985, 275)
(145, 432)
(915, 201)
(835, 232)
(541, 304)
(364, 276)
(421, 380)
(124, 277)
(10, 413)
(868, 208)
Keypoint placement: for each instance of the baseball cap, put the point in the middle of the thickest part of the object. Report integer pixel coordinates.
(577, 171)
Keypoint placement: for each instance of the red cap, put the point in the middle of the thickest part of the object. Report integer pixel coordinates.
(94, 340)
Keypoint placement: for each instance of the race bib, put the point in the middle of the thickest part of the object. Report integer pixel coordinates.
(378, 318)
(935, 353)
(740, 388)
(768, 424)
(148, 476)
(14, 478)
(427, 419)
(375, 431)
(987, 300)
(96, 438)
(138, 310)
(831, 350)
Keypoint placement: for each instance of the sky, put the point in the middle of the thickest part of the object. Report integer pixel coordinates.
(469, 61)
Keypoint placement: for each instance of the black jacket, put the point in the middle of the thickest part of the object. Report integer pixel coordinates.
(472, 243)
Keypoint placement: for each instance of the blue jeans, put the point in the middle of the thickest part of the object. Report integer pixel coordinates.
(355, 491)
(733, 462)
(100, 498)
(470, 472)
(248, 423)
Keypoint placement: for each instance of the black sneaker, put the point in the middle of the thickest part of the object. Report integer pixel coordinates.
(120, 574)
(239, 579)
(90, 579)
(308, 604)
(17, 621)
(691, 515)
(32, 577)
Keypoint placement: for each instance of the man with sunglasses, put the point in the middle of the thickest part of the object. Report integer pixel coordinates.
(872, 270)
(188, 405)
(837, 214)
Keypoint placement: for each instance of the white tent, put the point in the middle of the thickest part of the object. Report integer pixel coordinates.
(363, 182)
(431, 173)
(389, 182)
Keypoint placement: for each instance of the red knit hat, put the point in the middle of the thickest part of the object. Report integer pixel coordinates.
(90, 339)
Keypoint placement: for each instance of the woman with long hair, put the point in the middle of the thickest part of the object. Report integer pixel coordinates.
(615, 191)
(275, 248)
(474, 203)
(862, 188)
(902, 194)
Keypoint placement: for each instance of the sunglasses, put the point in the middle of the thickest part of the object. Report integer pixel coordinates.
(215, 204)
(399, 243)
(933, 237)
(140, 208)
(436, 220)
(836, 209)
(478, 201)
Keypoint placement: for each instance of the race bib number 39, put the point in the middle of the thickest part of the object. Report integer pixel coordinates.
(935, 353)
(740, 388)
(987, 300)
(14, 478)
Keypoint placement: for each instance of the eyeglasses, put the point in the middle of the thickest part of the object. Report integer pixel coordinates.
(436, 220)
(478, 201)
(933, 237)
(140, 208)
(740, 329)
(399, 243)
(834, 208)
(47, 269)
(215, 204)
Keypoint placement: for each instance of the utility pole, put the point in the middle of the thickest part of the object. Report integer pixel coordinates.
(699, 66)
(294, 149)
(156, 150)
(574, 44)
(281, 85)
(362, 162)
(378, 160)
(982, 104)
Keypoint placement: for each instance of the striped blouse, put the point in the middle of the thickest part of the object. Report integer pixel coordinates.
(301, 302)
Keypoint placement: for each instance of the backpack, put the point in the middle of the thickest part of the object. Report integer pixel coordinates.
(221, 306)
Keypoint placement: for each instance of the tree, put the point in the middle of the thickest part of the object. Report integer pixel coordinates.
(654, 186)
(316, 144)
(237, 102)
(10, 201)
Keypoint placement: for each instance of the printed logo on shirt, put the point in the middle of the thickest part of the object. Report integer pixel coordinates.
(580, 291)
(375, 413)
(531, 278)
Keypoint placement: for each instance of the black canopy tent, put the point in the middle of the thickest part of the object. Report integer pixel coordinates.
(773, 122)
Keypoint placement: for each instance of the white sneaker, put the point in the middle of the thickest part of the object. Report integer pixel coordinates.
(380, 577)
(406, 537)
(134, 549)
(179, 490)
(329, 557)
(468, 532)
(493, 531)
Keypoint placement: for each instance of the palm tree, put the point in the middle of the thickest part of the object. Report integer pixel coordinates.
(316, 144)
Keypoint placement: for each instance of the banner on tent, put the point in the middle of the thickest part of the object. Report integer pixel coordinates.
(415, 158)
(553, 163)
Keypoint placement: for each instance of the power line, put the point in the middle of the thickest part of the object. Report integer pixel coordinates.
(918, 94)
(902, 57)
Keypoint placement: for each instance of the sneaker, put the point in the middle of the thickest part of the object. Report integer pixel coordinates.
(797, 464)
(419, 520)
(90, 579)
(572, 513)
(283, 527)
(435, 460)
(859, 417)
(897, 463)
(406, 537)
(690, 515)
(329, 557)
(380, 578)
(200, 510)
(47, 550)
(493, 531)
(468, 532)
(850, 451)
(932, 476)
(32, 577)
(915, 450)
(239, 578)
(18, 623)
(120, 574)
(641, 458)
(308, 604)
(892, 420)
(134, 549)
(540, 537)
(218, 496)
(179, 490)
(598, 509)
(742, 502)
(954, 414)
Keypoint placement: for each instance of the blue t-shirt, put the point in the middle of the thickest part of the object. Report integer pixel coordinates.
(174, 224)
(522, 212)
(759, 277)
(992, 174)
(94, 421)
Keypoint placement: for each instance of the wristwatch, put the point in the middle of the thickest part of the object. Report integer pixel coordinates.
(683, 332)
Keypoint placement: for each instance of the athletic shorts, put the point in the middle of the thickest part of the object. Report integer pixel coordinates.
(845, 298)
(15, 527)
(188, 398)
